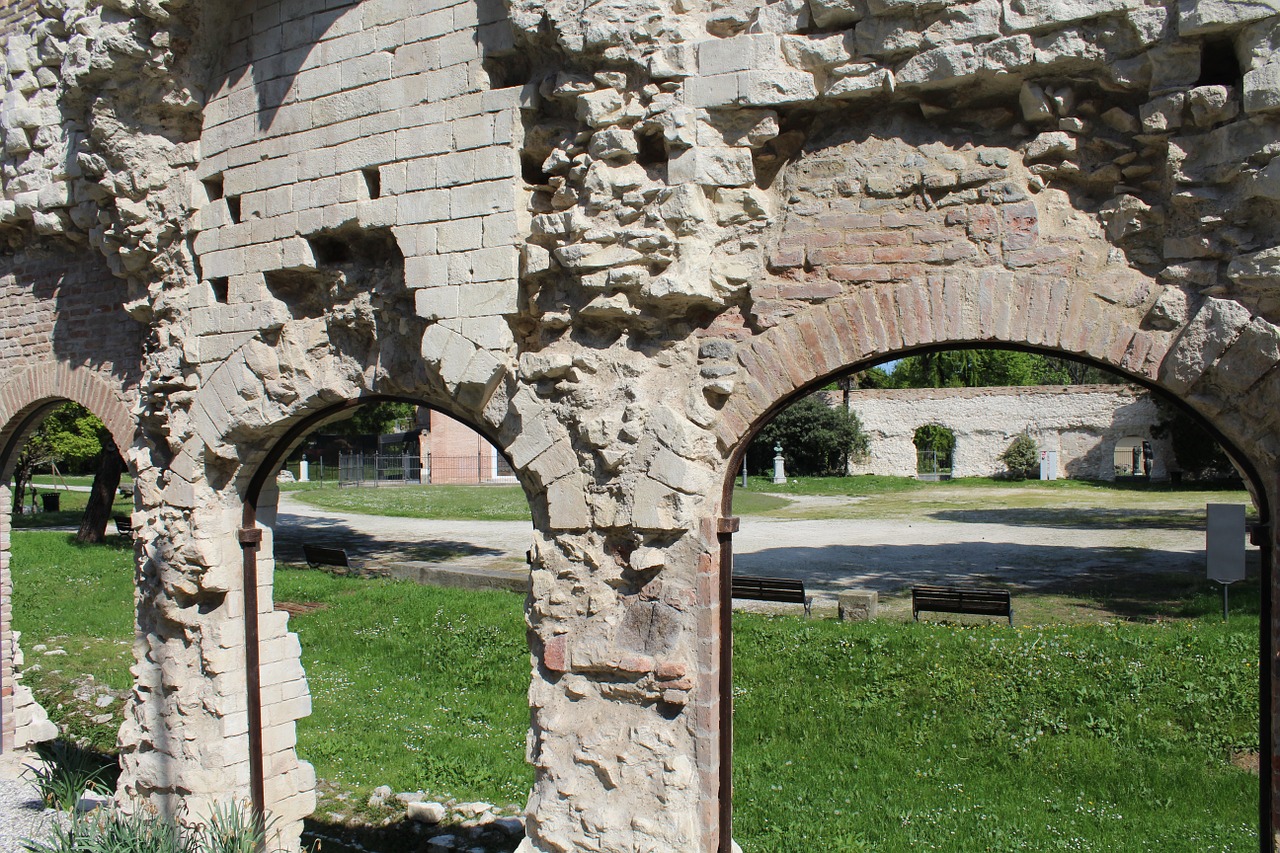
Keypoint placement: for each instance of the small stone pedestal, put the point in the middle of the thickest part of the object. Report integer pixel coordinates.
(859, 605)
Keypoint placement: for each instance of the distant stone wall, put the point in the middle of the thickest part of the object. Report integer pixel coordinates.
(1083, 423)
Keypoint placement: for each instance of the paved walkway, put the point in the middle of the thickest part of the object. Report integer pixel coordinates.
(829, 555)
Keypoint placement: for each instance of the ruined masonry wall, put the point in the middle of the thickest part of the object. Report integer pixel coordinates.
(613, 240)
(1083, 423)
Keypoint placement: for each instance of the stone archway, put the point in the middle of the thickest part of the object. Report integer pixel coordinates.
(277, 694)
(24, 402)
(885, 321)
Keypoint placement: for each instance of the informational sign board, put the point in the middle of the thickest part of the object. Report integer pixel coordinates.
(1048, 464)
(1225, 542)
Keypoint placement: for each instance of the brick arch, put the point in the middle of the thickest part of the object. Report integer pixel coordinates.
(881, 320)
(1221, 363)
(45, 384)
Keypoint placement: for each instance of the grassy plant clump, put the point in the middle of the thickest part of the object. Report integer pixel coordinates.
(66, 771)
(231, 828)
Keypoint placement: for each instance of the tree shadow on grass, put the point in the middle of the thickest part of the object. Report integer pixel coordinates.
(1083, 518)
(376, 550)
(402, 836)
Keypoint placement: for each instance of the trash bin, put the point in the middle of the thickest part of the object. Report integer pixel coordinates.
(50, 501)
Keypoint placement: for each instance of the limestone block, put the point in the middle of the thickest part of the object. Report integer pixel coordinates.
(858, 605)
(1266, 182)
(767, 88)
(1261, 267)
(1026, 15)
(1214, 328)
(740, 53)
(1199, 17)
(942, 65)
(867, 81)
(786, 16)
(1212, 105)
(1262, 89)
(1035, 104)
(837, 13)
(719, 91)
(813, 52)
(601, 108)
(615, 145)
(1007, 54)
(717, 167)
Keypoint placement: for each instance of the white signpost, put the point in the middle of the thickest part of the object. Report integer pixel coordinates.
(1225, 546)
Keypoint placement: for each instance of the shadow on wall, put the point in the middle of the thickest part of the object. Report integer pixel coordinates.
(284, 47)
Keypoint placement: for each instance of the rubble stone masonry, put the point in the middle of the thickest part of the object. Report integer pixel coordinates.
(614, 238)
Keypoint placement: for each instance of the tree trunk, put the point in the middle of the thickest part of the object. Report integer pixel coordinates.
(97, 513)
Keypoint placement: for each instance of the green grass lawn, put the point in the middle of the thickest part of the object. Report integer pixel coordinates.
(884, 736)
(473, 503)
(70, 510)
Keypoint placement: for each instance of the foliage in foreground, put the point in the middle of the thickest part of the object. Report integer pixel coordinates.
(66, 771)
(884, 736)
(230, 829)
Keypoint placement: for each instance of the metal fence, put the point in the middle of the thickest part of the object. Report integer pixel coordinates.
(930, 466)
(356, 469)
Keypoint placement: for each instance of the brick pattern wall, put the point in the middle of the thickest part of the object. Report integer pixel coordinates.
(15, 15)
(63, 334)
(458, 453)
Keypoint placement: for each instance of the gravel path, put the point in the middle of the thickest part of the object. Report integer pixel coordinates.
(21, 814)
(829, 555)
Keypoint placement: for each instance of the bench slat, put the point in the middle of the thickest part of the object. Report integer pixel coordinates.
(967, 600)
(782, 590)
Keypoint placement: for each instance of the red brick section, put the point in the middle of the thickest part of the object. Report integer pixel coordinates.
(63, 336)
(951, 308)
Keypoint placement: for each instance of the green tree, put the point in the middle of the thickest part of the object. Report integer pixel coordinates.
(937, 439)
(974, 368)
(375, 419)
(69, 435)
(816, 439)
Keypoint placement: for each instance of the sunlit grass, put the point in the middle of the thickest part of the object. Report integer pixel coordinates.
(878, 736)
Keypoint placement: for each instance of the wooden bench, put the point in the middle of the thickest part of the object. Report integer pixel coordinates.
(124, 525)
(956, 599)
(319, 555)
(783, 590)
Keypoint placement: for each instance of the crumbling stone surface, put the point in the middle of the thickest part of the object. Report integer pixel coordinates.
(614, 237)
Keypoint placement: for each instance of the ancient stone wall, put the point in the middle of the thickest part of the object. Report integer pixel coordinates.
(1082, 423)
(614, 240)
(15, 14)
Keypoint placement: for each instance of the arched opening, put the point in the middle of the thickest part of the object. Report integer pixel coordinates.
(935, 445)
(1132, 457)
(413, 708)
(67, 582)
(866, 779)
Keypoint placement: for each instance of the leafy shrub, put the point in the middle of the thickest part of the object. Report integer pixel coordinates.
(67, 771)
(1020, 457)
(938, 439)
